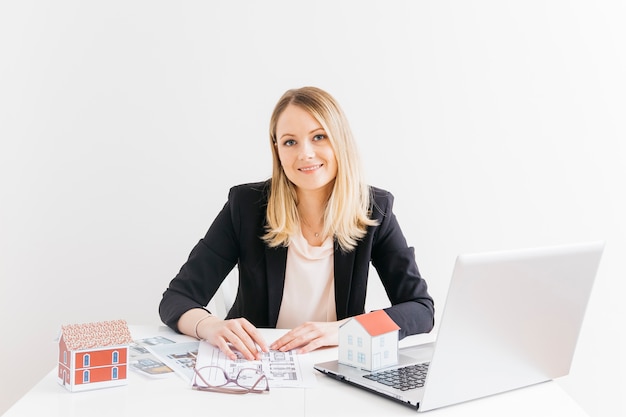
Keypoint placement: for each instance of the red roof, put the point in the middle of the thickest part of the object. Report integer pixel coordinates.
(377, 322)
(95, 335)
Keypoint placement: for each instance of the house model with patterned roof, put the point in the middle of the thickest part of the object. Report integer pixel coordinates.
(94, 355)
(369, 341)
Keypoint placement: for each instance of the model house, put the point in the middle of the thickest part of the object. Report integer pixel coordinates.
(369, 341)
(93, 355)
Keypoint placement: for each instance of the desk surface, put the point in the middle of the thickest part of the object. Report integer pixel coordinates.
(172, 396)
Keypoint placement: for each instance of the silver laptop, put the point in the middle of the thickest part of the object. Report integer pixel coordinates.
(511, 319)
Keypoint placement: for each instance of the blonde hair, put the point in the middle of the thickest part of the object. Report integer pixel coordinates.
(346, 217)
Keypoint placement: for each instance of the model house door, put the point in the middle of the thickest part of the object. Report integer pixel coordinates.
(376, 361)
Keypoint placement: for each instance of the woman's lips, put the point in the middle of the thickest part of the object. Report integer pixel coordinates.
(310, 168)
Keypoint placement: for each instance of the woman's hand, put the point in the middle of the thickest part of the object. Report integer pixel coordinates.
(239, 334)
(309, 336)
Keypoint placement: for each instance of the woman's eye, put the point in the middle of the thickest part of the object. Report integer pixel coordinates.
(289, 142)
(319, 137)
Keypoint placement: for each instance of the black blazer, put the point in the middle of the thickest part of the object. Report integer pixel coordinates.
(234, 238)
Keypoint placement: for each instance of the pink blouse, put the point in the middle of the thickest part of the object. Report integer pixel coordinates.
(309, 292)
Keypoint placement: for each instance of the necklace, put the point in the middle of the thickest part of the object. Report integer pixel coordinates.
(316, 234)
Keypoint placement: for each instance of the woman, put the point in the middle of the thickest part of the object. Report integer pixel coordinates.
(302, 241)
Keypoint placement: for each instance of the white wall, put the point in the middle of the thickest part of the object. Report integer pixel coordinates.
(497, 124)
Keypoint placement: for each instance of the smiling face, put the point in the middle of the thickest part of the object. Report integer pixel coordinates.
(305, 151)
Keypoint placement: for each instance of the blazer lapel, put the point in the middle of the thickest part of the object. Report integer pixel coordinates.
(344, 264)
(276, 261)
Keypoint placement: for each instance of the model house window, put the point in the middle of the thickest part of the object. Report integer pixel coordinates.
(359, 341)
(86, 360)
(350, 355)
(65, 357)
(85, 376)
(382, 342)
(114, 373)
(360, 357)
(349, 339)
(116, 357)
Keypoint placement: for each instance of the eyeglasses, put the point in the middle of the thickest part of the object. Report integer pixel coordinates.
(214, 378)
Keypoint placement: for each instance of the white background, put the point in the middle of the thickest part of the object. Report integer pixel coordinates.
(497, 125)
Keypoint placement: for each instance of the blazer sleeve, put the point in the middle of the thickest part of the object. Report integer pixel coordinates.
(412, 308)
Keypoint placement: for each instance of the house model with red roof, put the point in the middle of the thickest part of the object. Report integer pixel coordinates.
(369, 341)
(93, 355)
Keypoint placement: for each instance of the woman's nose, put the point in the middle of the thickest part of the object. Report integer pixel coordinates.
(306, 150)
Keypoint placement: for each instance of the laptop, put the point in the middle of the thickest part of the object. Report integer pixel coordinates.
(511, 319)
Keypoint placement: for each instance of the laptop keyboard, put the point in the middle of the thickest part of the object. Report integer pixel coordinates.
(404, 379)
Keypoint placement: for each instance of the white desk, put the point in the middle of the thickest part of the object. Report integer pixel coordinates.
(172, 396)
